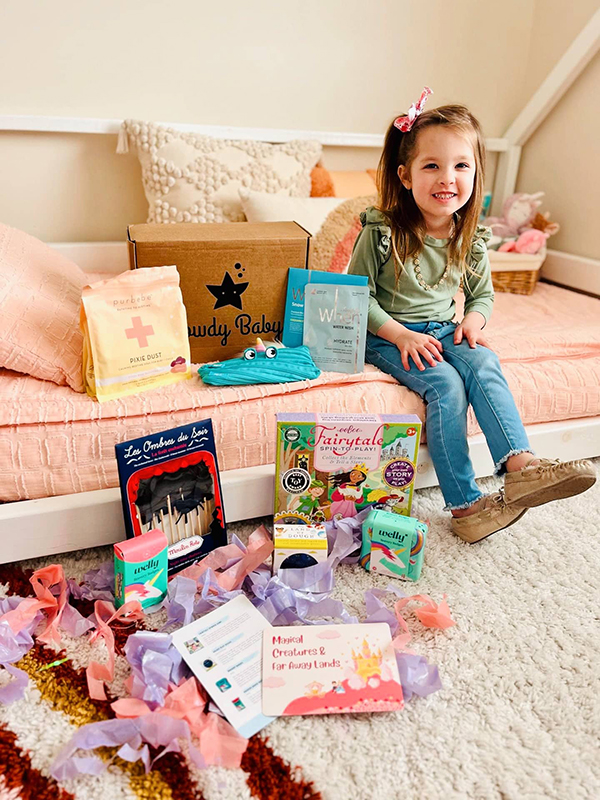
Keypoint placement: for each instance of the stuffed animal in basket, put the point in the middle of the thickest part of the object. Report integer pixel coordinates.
(542, 222)
(518, 211)
(530, 241)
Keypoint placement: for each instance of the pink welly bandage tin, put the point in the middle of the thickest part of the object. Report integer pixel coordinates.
(141, 569)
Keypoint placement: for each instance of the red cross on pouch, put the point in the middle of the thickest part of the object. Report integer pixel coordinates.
(139, 331)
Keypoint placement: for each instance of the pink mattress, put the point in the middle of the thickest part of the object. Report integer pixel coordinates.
(54, 441)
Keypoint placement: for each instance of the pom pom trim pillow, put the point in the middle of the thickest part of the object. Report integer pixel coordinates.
(331, 248)
(188, 177)
(40, 296)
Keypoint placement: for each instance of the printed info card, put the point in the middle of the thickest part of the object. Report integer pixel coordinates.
(224, 651)
(330, 669)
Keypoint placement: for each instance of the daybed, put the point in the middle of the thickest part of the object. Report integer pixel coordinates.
(58, 444)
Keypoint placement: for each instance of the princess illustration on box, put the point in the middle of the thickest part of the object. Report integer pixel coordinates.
(348, 492)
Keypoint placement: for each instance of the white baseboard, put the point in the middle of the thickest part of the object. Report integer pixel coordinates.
(572, 272)
(107, 257)
(75, 522)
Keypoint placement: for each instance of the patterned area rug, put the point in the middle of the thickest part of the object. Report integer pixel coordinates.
(517, 716)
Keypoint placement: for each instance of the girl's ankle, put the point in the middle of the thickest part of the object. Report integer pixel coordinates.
(520, 461)
(466, 512)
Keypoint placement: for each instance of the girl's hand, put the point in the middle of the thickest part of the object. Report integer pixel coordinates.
(413, 344)
(470, 329)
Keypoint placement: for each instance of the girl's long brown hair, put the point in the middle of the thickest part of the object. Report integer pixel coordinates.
(397, 203)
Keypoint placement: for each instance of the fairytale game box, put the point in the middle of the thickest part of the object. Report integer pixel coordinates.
(331, 466)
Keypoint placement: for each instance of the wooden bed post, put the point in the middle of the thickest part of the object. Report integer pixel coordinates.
(505, 178)
(583, 48)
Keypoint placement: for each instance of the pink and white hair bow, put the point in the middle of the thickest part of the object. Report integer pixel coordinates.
(404, 124)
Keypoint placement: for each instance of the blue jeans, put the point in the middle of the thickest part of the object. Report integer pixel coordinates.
(465, 376)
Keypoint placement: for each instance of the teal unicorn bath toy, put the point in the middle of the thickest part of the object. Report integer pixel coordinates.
(262, 364)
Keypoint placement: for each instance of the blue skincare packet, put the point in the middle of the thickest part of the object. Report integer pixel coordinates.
(298, 279)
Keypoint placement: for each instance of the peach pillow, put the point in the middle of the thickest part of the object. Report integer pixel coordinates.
(356, 183)
(321, 184)
(40, 296)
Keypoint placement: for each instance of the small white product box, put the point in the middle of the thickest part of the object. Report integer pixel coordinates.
(298, 546)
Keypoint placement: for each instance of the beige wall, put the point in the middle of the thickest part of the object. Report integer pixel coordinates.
(309, 64)
(562, 157)
(306, 64)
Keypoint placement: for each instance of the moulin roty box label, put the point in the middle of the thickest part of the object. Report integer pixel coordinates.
(330, 466)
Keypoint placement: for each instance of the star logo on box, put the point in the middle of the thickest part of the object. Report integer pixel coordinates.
(228, 293)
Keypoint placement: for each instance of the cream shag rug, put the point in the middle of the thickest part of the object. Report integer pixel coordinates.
(519, 713)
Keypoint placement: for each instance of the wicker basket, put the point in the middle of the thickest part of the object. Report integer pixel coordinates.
(516, 272)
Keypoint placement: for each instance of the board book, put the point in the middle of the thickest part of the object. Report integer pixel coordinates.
(330, 669)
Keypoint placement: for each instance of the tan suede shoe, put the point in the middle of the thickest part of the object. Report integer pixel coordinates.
(546, 481)
(494, 516)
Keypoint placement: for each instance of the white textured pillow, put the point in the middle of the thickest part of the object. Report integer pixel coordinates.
(310, 212)
(192, 178)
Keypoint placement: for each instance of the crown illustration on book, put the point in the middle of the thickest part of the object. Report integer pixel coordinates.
(360, 468)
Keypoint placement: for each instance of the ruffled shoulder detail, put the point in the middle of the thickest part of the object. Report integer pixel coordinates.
(479, 245)
(380, 230)
(372, 216)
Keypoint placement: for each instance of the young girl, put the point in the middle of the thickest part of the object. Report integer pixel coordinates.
(348, 492)
(415, 249)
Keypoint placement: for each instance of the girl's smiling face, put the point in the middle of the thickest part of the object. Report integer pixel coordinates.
(356, 476)
(441, 175)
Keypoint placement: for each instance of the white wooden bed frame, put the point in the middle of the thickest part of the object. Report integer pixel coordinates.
(51, 525)
(32, 528)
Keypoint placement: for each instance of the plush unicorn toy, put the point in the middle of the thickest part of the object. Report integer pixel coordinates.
(518, 211)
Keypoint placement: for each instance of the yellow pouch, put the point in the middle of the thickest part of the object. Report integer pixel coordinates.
(135, 333)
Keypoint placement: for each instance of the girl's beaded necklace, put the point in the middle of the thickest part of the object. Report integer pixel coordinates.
(421, 280)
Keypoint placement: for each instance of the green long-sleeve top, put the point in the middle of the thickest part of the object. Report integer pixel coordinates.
(408, 301)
